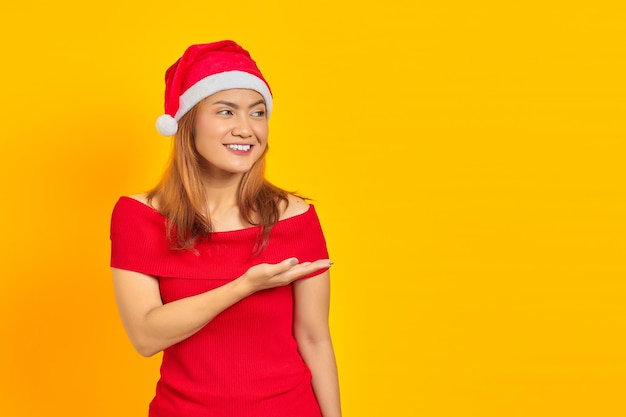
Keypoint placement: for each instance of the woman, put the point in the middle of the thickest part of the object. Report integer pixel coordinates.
(222, 271)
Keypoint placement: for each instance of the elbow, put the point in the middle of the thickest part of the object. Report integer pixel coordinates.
(312, 335)
(308, 340)
(146, 351)
(145, 347)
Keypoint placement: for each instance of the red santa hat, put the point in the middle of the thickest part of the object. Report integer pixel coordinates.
(206, 69)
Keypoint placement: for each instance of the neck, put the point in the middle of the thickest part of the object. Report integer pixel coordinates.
(222, 193)
(222, 205)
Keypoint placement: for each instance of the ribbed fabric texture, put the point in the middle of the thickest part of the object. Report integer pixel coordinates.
(245, 362)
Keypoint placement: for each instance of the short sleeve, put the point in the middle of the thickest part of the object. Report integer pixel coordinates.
(300, 236)
(134, 234)
(138, 242)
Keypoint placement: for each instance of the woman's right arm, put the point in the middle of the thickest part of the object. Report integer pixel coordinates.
(153, 326)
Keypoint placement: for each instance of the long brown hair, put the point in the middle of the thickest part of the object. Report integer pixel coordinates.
(182, 199)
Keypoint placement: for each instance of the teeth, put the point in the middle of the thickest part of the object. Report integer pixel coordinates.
(239, 147)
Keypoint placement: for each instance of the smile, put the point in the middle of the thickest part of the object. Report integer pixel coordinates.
(236, 147)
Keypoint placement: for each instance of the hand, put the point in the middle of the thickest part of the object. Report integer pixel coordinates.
(265, 276)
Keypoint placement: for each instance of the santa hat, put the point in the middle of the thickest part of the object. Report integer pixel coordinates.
(206, 69)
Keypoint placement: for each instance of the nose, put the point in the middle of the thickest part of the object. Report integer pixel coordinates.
(242, 128)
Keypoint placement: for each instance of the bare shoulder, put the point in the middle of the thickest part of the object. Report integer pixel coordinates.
(143, 198)
(295, 207)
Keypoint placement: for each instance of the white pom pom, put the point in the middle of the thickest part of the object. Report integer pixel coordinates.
(166, 125)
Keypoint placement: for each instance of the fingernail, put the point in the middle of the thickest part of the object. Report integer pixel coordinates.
(293, 261)
(330, 263)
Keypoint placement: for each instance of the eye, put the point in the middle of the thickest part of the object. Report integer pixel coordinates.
(225, 112)
(258, 113)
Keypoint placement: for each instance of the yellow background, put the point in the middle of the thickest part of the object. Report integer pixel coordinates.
(466, 160)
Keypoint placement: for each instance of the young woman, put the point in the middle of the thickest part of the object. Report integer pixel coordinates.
(219, 269)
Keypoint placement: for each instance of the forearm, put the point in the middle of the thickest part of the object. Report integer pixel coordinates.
(153, 326)
(320, 358)
(167, 324)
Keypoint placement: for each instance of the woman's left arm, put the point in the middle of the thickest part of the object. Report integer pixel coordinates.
(311, 330)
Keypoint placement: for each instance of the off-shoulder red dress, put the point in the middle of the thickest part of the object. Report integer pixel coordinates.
(245, 362)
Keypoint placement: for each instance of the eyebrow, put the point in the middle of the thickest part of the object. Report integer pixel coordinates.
(236, 106)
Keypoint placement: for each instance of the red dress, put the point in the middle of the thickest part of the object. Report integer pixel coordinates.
(245, 362)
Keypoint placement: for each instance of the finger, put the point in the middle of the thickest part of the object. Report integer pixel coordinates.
(306, 268)
(282, 267)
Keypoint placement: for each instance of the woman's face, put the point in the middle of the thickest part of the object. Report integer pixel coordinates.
(231, 131)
